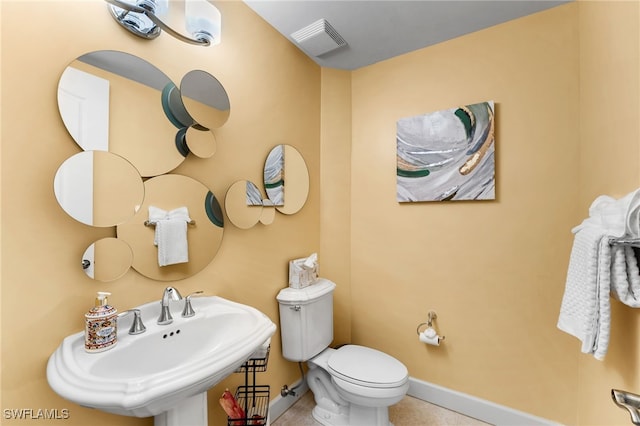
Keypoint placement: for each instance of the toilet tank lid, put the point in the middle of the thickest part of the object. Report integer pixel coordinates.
(307, 294)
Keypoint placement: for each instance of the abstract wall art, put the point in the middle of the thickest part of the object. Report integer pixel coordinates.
(447, 155)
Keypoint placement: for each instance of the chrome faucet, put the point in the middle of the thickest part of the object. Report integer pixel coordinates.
(188, 309)
(137, 327)
(628, 401)
(169, 294)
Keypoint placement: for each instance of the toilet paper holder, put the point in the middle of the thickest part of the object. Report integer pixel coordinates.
(431, 316)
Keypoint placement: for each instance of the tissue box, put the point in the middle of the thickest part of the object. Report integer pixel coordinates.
(300, 275)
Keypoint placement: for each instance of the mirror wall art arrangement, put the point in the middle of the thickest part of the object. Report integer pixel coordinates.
(114, 182)
(244, 203)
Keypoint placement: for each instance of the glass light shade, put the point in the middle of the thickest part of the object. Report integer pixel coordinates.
(203, 20)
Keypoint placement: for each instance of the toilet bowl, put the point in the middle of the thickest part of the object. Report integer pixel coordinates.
(355, 385)
(352, 385)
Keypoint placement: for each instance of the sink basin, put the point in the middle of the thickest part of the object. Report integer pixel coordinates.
(166, 370)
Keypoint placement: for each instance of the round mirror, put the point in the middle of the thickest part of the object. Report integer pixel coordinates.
(205, 99)
(184, 251)
(243, 203)
(113, 101)
(286, 179)
(107, 259)
(174, 108)
(98, 188)
(201, 142)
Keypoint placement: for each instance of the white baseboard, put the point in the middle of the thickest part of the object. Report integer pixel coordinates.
(280, 404)
(471, 406)
(468, 405)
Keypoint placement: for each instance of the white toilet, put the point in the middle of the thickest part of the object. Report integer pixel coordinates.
(352, 385)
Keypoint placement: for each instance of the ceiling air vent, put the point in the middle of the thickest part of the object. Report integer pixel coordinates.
(318, 38)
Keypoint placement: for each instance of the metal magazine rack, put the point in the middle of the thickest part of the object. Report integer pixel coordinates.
(254, 399)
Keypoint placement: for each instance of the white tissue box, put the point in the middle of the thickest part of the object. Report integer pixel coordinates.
(301, 276)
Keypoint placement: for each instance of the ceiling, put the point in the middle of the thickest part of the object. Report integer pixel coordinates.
(375, 30)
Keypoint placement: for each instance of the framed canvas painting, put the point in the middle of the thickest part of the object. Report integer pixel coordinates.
(447, 155)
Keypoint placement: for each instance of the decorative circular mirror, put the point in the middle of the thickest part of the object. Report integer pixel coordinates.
(107, 259)
(177, 231)
(205, 99)
(98, 188)
(243, 203)
(112, 101)
(286, 179)
(174, 108)
(201, 142)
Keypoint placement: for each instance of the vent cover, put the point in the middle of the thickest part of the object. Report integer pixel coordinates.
(318, 38)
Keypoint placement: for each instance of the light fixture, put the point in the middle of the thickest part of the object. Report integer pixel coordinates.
(144, 18)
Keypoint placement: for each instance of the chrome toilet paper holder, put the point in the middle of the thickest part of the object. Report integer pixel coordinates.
(431, 317)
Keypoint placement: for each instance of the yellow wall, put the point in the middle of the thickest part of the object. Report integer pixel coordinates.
(609, 158)
(565, 83)
(335, 197)
(275, 98)
(494, 271)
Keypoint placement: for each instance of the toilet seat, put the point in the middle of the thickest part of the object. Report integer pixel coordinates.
(366, 367)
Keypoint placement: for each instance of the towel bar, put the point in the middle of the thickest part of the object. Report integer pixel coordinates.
(147, 223)
(633, 242)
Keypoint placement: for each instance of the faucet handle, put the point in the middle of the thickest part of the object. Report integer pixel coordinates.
(137, 327)
(188, 309)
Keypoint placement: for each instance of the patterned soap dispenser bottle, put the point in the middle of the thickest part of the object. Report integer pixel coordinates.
(101, 325)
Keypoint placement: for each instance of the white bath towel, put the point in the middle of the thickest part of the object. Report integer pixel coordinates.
(597, 270)
(619, 217)
(170, 234)
(585, 311)
(625, 276)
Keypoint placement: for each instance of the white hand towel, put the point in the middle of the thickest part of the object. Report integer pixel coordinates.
(171, 234)
(585, 312)
(598, 270)
(625, 276)
(633, 214)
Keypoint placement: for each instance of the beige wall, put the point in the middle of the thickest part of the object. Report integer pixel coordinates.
(609, 154)
(335, 197)
(565, 83)
(275, 98)
(494, 271)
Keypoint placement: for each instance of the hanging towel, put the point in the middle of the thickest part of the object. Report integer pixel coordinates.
(585, 312)
(170, 234)
(597, 270)
(625, 276)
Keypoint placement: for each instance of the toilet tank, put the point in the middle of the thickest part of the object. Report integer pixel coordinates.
(306, 319)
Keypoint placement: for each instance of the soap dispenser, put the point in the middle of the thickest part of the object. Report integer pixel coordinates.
(101, 325)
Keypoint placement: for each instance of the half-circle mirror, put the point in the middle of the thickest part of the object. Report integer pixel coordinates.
(98, 188)
(205, 99)
(286, 179)
(243, 203)
(199, 240)
(112, 101)
(107, 259)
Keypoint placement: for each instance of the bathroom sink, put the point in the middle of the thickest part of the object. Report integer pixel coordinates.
(166, 371)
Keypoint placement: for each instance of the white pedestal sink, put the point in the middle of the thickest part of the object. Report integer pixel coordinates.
(166, 371)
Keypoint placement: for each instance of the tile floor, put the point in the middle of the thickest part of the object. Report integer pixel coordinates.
(408, 412)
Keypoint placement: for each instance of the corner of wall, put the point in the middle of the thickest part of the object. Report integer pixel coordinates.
(335, 193)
